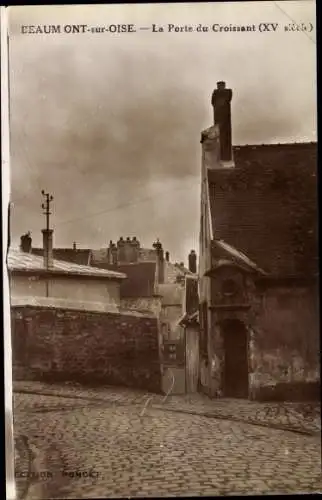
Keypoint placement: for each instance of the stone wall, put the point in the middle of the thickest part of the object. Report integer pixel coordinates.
(284, 343)
(152, 304)
(87, 347)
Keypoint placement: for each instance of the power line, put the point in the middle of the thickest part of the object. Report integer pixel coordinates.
(21, 135)
(123, 205)
(293, 20)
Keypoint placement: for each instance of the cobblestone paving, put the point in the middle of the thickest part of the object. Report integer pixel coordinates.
(160, 453)
(303, 417)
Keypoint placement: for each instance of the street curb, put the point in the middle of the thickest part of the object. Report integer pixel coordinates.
(56, 394)
(240, 420)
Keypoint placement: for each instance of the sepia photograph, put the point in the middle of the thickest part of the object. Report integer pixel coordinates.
(162, 333)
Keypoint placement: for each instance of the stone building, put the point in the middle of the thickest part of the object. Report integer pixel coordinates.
(258, 267)
(63, 281)
(67, 324)
(154, 284)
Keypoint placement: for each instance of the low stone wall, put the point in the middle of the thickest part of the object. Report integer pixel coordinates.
(284, 345)
(282, 374)
(86, 347)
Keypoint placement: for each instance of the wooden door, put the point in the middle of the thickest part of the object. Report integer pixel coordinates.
(192, 359)
(236, 360)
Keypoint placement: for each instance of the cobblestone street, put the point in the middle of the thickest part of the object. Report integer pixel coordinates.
(129, 445)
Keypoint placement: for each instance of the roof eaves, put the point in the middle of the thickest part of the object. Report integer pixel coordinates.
(62, 272)
(233, 252)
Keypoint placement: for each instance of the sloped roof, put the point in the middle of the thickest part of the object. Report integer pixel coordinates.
(173, 271)
(140, 278)
(19, 261)
(99, 256)
(79, 256)
(266, 207)
(221, 248)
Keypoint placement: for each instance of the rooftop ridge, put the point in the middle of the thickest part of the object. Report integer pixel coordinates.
(270, 144)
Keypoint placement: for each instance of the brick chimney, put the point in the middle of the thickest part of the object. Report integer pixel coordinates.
(192, 260)
(26, 243)
(112, 253)
(48, 248)
(220, 100)
(135, 249)
(128, 250)
(121, 251)
(219, 137)
(160, 262)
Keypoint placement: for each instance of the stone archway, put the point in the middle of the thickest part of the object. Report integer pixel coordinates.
(235, 370)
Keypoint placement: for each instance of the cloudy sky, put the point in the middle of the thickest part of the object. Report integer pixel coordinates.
(110, 123)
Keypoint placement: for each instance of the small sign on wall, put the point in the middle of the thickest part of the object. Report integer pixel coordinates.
(173, 353)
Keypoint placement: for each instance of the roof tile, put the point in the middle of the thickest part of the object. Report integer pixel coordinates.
(266, 207)
(27, 262)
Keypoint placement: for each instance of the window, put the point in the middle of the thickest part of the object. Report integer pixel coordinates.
(229, 287)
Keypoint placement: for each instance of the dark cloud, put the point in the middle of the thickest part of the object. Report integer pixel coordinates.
(114, 131)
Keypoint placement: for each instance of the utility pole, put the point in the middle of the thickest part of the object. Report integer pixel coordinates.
(47, 233)
(46, 206)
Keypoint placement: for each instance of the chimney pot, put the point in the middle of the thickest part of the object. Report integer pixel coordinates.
(160, 261)
(192, 260)
(26, 242)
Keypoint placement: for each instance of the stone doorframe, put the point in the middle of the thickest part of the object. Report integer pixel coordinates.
(217, 355)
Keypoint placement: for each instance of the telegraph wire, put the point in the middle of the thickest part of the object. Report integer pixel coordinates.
(123, 205)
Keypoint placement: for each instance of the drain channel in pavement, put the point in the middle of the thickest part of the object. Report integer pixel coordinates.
(239, 420)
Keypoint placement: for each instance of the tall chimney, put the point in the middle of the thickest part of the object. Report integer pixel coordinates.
(48, 248)
(121, 256)
(74, 246)
(114, 255)
(220, 100)
(135, 249)
(167, 256)
(192, 259)
(159, 261)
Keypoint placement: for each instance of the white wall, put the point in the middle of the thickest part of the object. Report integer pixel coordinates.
(78, 289)
(170, 316)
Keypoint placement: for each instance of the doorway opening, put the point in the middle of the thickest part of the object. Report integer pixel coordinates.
(235, 376)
